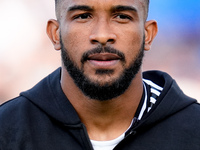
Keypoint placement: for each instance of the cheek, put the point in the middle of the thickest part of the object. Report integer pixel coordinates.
(131, 42)
(75, 42)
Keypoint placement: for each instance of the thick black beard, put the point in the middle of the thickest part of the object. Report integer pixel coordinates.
(95, 90)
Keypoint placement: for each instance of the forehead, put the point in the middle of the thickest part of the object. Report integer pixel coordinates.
(139, 5)
(102, 2)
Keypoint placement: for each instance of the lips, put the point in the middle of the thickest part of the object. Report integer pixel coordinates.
(103, 57)
(103, 60)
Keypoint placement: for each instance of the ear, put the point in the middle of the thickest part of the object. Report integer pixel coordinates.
(53, 33)
(151, 30)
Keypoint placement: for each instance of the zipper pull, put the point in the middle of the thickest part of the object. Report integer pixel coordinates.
(131, 131)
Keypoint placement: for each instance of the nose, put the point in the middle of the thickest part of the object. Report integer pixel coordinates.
(102, 34)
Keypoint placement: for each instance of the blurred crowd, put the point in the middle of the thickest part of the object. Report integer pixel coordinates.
(27, 55)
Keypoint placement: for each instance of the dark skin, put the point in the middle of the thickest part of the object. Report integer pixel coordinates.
(104, 23)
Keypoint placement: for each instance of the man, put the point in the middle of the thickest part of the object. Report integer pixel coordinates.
(99, 98)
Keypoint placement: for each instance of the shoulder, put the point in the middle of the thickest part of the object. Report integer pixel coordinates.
(19, 112)
(186, 120)
(17, 119)
(11, 105)
(14, 109)
(193, 112)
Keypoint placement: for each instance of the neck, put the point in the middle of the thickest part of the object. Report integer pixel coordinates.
(104, 120)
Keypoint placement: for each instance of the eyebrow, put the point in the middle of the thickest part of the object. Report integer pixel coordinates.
(80, 7)
(124, 8)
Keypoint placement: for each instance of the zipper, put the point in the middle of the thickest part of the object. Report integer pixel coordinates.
(85, 134)
(131, 132)
(85, 140)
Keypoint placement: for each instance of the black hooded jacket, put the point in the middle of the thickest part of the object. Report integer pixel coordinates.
(42, 118)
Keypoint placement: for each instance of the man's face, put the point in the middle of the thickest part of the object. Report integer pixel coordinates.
(103, 40)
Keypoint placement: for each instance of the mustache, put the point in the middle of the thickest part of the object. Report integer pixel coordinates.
(101, 49)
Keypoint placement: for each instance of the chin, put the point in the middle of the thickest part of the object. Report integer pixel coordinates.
(104, 77)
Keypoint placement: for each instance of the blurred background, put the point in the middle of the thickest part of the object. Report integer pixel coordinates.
(27, 55)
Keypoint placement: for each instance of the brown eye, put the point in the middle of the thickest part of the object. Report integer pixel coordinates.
(83, 16)
(121, 16)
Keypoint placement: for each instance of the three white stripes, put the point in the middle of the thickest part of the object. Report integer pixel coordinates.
(155, 90)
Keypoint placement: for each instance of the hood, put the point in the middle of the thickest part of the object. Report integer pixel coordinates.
(171, 100)
(49, 97)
